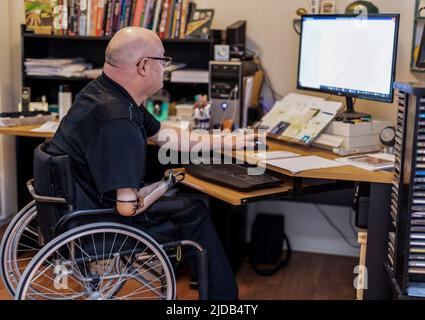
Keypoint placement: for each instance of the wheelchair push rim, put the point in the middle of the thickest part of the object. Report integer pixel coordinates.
(21, 242)
(101, 261)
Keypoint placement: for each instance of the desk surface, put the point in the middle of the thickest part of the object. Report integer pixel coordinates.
(347, 173)
(25, 131)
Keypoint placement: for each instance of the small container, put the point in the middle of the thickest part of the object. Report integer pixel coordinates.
(65, 100)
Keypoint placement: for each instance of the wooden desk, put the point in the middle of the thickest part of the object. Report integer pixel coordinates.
(25, 131)
(346, 173)
(379, 217)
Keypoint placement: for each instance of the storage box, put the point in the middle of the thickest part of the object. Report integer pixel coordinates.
(374, 127)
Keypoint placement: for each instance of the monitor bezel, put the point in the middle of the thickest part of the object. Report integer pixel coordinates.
(390, 99)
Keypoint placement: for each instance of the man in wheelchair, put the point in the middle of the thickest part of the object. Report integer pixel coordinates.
(105, 134)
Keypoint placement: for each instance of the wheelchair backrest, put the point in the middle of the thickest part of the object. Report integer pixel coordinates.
(53, 177)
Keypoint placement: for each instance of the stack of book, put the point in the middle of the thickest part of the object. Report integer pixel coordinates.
(169, 18)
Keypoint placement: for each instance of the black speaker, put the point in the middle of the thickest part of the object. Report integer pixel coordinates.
(236, 38)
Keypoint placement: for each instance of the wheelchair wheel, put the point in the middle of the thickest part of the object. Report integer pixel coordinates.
(101, 261)
(21, 242)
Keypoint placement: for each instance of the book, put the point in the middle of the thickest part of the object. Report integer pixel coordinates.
(83, 18)
(138, 13)
(184, 18)
(299, 119)
(164, 17)
(148, 14)
(34, 9)
(157, 13)
(199, 25)
(108, 17)
(170, 18)
(100, 17)
(176, 15)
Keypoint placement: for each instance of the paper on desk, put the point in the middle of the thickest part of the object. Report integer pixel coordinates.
(383, 156)
(50, 126)
(275, 155)
(299, 164)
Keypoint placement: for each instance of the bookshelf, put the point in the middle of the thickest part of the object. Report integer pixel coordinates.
(196, 53)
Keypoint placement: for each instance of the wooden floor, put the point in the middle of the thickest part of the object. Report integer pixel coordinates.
(308, 277)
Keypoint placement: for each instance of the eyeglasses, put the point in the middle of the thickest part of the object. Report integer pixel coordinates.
(165, 61)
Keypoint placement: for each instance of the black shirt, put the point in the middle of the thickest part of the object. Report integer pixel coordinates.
(104, 133)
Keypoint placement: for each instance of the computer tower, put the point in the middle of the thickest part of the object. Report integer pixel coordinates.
(227, 92)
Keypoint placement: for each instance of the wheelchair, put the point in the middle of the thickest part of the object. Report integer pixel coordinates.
(52, 252)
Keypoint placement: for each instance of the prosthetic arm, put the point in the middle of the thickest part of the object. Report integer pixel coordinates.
(150, 194)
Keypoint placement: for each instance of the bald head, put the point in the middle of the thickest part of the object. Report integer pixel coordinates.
(130, 44)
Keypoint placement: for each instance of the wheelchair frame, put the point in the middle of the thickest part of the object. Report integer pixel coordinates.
(71, 216)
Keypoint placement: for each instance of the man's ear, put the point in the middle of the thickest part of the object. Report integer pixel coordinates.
(143, 68)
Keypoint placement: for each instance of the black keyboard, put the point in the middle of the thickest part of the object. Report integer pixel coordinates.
(234, 176)
(24, 114)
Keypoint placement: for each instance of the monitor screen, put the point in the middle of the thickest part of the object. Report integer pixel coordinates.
(349, 55)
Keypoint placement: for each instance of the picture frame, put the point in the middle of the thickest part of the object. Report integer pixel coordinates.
(421, 9)
(327, 7)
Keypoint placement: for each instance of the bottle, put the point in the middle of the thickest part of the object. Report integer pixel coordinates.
(65, 100)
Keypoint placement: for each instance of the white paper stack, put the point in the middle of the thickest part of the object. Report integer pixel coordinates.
(56, 67)
(299, 164)
(190, 76)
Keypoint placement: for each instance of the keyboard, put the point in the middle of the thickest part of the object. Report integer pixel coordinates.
(23, 114)
(234, 176)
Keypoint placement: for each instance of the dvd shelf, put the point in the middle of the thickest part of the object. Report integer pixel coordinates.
(406, 241)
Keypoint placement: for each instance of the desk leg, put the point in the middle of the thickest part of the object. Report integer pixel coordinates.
(230, 223)
(378, 228)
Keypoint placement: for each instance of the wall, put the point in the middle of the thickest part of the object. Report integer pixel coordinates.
(270, 30)
(7, 145)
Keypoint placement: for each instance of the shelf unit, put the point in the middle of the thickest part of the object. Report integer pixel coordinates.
(405, 247)
(196, 53)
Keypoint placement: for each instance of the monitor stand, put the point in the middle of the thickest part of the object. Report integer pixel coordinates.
(351, 114)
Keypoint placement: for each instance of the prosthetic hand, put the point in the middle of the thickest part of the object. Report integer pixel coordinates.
(150, 194)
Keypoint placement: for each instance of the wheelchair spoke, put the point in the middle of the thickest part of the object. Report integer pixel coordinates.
(31, 230)
(110, 266)
(133, 273)
(43, 273)
(138, 291)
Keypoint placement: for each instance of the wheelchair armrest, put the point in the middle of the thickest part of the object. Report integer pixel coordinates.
(78, 214)
(37, 197)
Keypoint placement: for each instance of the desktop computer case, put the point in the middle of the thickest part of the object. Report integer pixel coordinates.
(224, 78)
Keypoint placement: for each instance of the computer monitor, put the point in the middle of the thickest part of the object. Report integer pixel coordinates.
(348, 55)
